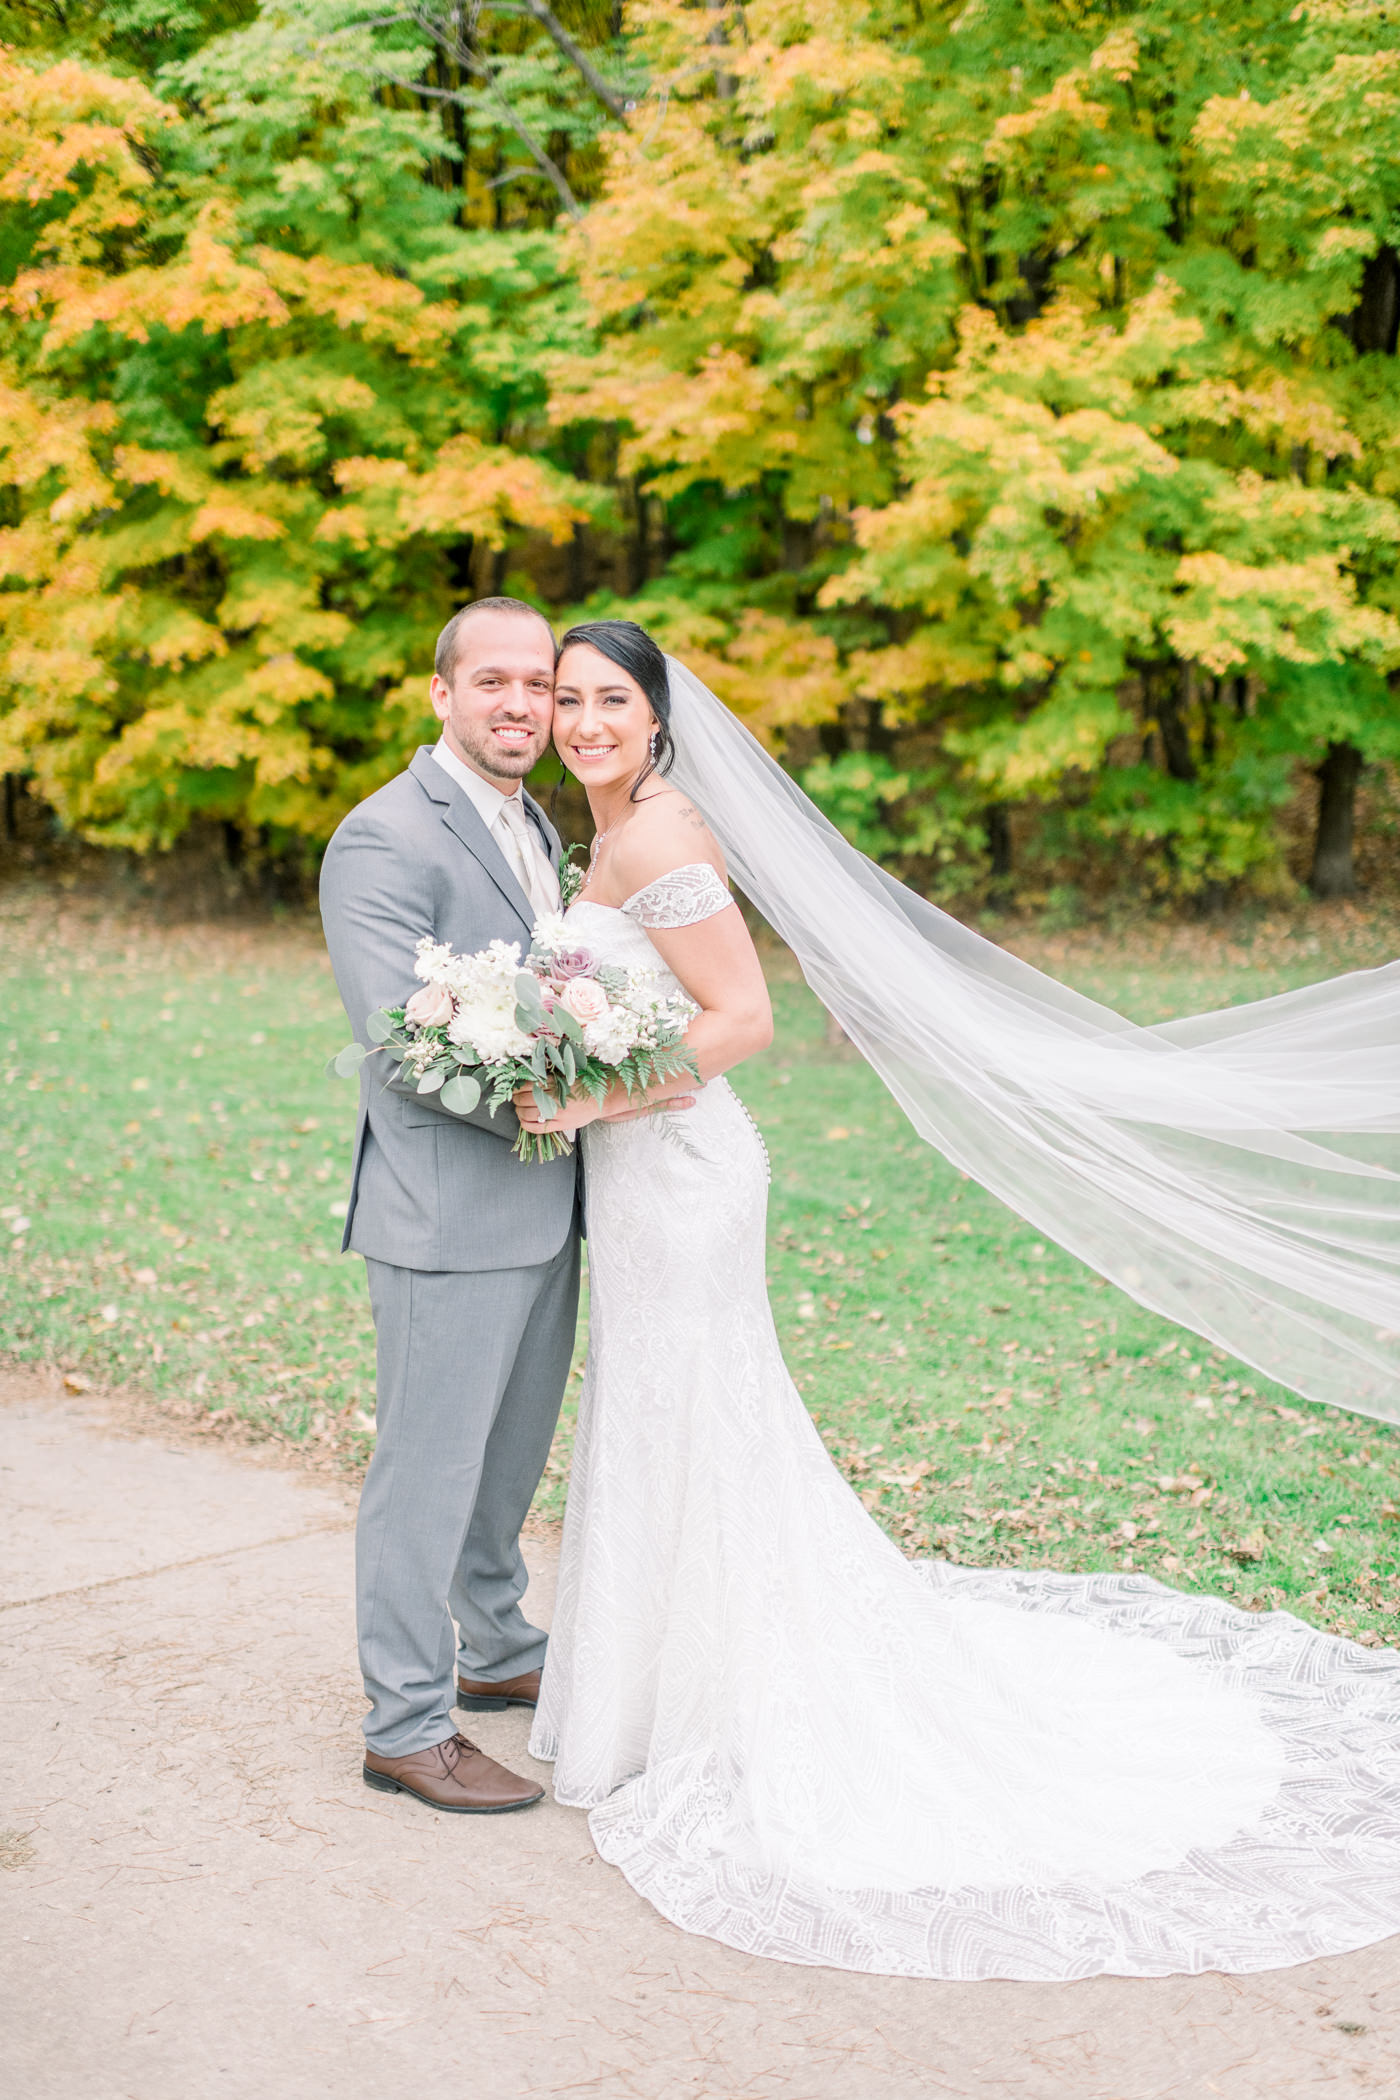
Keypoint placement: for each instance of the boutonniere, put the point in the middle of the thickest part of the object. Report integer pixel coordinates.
(571, 876)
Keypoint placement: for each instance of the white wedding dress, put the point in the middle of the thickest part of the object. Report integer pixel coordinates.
(794, 1740)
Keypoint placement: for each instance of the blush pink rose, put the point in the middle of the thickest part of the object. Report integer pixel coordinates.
(585, 999)
(430, 1007)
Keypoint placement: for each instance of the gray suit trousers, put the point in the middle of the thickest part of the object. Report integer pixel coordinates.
(472, 1366)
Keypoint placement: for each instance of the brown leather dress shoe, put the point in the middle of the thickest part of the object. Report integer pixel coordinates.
(454, 1776)
(474, 1698)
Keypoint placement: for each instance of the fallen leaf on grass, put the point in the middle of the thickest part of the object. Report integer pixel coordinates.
(912, 1478)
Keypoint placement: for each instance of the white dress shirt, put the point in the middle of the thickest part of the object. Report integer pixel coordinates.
(511, 826)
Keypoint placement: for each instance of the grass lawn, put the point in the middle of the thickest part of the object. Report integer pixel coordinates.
(175, 1171)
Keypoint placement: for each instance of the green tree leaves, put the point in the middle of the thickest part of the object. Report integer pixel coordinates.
(1011, 394)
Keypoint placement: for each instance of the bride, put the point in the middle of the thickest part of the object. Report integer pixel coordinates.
(789, 1737)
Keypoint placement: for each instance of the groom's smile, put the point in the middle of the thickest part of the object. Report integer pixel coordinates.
(514, 735)
(494, 693)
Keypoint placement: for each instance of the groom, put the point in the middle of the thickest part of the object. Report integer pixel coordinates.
(473, 1256)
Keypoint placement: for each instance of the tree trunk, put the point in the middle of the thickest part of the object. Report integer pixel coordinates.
(726, 85)
(630, 565)
(12, 807)
(580, 564)
(1169, 707)
(1374, 322)
(1333, 871)
(997, 821)
(879, 737)
(834, 738)
(1037, 275)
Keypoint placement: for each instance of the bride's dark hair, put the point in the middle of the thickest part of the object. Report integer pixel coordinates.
(632, 649)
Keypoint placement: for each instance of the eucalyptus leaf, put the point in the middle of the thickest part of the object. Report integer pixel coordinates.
(379, 1027)
(461, 1094)
(432, 1080)
(347, 1062)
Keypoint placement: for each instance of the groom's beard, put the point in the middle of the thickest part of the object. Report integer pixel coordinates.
(500, 761)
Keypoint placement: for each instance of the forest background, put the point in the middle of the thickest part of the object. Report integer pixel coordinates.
(995, 402)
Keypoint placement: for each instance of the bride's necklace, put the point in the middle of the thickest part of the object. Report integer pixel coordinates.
(598, 838)
(618, 824)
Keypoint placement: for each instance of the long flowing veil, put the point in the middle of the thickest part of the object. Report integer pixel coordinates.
(1238, 1171)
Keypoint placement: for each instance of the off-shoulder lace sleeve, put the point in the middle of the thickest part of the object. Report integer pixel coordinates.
(682, 898)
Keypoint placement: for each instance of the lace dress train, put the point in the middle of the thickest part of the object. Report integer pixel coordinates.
(794, 1740)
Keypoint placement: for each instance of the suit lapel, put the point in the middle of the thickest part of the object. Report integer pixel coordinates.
(463, 822)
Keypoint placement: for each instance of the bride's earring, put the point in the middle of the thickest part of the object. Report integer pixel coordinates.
(653, 743)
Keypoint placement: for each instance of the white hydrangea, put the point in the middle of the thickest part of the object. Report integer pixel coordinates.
(639, 1013)
(611, 1036)
(550, 933)
(483, 987)
(433, 959)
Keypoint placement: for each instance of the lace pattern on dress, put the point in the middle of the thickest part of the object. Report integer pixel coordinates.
(683, 897)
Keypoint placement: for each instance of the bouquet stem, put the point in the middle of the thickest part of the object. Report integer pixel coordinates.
(536, 1149)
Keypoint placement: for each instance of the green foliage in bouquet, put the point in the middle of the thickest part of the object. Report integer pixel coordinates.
(558, 1064)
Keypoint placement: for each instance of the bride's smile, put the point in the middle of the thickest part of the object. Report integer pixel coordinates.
(603, 726)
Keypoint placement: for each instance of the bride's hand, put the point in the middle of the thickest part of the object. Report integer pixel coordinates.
(628, 1114)
(581, 1109)
(576, 1111)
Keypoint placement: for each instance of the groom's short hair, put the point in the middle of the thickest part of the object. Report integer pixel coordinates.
(449, 642)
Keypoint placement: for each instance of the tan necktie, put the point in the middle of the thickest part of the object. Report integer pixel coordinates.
(527, 856)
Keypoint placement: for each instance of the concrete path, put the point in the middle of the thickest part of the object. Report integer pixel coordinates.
(203, 1900)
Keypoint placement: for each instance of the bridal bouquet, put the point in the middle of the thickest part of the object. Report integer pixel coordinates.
(484, 1025)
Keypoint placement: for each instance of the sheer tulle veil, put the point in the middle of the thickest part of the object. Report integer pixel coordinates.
(1238, 1171)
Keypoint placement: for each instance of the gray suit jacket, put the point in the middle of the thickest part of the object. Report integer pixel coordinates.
(431, 1190)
